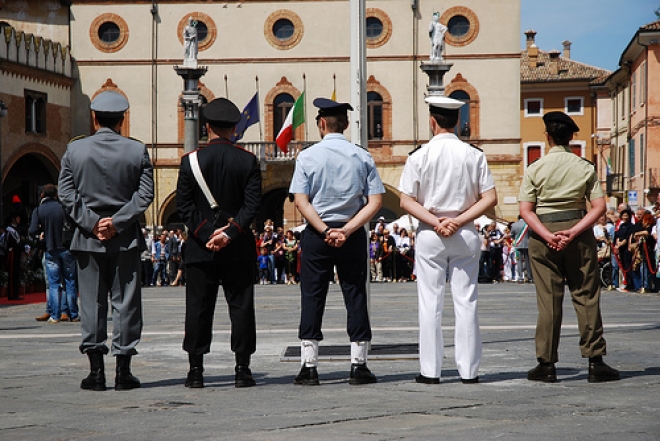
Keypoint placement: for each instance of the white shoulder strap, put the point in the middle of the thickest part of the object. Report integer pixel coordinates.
(197, 172)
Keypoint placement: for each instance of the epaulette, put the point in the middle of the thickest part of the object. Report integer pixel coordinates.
(197, 149)
(135, 139)
(475, 147)
(77, 138)
(416, 148)
(363, 148)
(585, 159)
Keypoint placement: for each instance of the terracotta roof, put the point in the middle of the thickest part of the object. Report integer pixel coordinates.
(569, 70)
(655, 26)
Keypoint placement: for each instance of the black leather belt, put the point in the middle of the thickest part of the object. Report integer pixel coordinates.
(562, 216)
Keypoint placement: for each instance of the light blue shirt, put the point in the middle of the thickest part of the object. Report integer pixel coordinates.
(337, 176)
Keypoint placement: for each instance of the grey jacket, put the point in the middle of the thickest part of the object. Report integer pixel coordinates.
(106, 175)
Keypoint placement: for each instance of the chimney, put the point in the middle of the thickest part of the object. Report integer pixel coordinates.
(567, 49)
(533, 56)
(554, 62)
(531, 33)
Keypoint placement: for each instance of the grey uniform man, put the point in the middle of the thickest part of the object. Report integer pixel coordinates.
(106, 183)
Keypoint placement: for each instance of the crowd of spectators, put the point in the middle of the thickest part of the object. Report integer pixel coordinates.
(162, 260)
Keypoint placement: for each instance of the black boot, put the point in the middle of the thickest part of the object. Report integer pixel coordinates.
(195, 379)
(600, 372)
(544, 372)
(360, 374)
(124, 379)
(243, 377)
(96, 378)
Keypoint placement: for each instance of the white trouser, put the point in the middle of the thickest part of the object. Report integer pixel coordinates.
(457, 256)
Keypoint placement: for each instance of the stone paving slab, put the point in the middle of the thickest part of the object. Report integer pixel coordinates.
(41, 369)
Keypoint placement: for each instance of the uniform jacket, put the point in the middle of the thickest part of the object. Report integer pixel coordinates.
(234, 178)
(103, 175)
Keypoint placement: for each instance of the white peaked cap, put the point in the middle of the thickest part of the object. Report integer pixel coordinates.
(443, 102)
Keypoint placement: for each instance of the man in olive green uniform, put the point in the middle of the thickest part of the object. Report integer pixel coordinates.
(562, 248)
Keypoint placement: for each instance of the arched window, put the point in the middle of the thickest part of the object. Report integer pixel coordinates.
(281, 107)
(375, 115)
(463, 128)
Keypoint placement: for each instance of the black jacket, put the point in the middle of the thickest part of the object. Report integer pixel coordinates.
(234, 178)
(49, 219)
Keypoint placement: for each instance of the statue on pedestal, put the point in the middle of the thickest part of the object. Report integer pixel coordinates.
(190, 44)
(437, 35)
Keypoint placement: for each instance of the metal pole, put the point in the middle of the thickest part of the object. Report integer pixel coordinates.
(359, 94)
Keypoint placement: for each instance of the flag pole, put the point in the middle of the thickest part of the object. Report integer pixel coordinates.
(305, 106)
(261, 132)
(334, 87)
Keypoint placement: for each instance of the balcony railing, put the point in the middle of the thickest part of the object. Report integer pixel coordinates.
(614, 183)
(270, 153)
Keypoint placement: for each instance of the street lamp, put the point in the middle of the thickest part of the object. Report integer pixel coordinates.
(3, 113)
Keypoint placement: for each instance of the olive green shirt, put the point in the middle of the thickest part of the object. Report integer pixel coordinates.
(560, 181)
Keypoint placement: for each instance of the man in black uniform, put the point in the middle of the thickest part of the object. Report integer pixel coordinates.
(220, 248)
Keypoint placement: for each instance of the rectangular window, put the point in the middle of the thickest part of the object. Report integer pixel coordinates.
(642, 84)
(35, 112)
(633, 95)
(631, 158)
(576, 149)
(533, 107)
(532, 152)
(574, 105)
(642, 153)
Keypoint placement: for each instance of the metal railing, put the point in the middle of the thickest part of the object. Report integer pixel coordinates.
(269, 152)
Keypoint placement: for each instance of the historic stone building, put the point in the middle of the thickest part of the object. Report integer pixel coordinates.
(280, 49)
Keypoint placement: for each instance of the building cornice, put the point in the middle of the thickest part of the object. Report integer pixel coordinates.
(36, 74)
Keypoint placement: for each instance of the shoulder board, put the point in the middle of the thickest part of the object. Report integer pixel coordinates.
(475, 147)
(415, 149)
(533, 161)
(363, 148)
(196, 150)
(135, 139)
(244, 149)
(585, 159)
(77, 138)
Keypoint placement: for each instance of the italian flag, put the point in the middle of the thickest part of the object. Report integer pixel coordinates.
(295, 117)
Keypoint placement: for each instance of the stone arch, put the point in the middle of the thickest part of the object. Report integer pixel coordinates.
(167, 215)
(208, 96)
(50, 160)
(283, 86)
(110, 85)
(460, 83)
(373, 85)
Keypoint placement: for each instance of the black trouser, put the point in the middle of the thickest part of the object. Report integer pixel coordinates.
(495, 262)
(202, 284)
(317, 270)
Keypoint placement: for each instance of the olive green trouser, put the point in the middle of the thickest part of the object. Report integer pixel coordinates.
(577, 267)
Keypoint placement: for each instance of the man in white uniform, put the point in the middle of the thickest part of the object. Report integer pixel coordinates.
(446, 184)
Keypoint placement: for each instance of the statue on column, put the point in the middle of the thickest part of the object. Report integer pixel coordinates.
(437, 35)
(190, 44)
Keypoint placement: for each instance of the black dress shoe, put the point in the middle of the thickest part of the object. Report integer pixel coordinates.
(543, 372)
(195, 379)
(474, 380)
(360, 374)
(94, 381)
(600, 372)
(308, 376)
(243, 377)
(426, 380)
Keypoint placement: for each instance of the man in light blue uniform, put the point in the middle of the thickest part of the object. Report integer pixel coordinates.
(337, 189)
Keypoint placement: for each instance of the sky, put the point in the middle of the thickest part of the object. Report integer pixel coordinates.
(600, 30)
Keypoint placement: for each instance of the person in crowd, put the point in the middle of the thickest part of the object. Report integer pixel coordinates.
(643, 263)
(106, 184)
(291, 256)
(279, 256)
(220, 249)
(145, 257)
(447, 184)
(49, 218)
(264, 265)
(520, 240)
(621, 251)
(495, 244)
(160, 256)
(553, 200)
(337, 188)
(375, 256)
(405, 255)
(389, 257)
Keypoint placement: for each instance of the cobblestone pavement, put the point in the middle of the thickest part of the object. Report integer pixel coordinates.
(41, 369)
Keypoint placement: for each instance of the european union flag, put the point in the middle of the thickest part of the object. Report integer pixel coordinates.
(249, 116)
